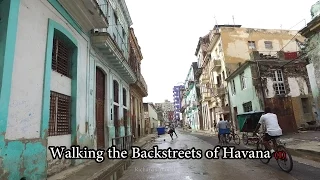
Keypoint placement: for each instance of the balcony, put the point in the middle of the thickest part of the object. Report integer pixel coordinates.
(115, 54)
(205, 79)
(216, 64)
(206, 96)
(88, 13)
(223, 110)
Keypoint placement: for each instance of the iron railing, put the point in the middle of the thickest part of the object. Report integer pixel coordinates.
(122, 143)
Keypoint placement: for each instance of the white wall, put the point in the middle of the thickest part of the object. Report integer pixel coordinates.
(28, 73)
(153, 116)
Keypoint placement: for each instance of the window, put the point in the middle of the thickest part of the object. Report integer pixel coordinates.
(243, 81)
(233, 87)
(124, 99)
(125, 119)
(115, 18)
(61, 57)
(114, 37)
(278, 82)
(247, 107)
(115, 91)
(305, 105)
(220, 47)
(123, 33)
(268, 44)
(252, 44)
(60, 114)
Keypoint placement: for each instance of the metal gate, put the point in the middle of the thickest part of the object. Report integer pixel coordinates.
(100, 96)
(282, 107)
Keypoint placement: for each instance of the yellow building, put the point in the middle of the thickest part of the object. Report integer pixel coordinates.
(228, 47)
(138, 90)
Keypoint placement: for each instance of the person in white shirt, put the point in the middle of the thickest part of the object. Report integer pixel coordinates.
(272, 128)
(223, 127)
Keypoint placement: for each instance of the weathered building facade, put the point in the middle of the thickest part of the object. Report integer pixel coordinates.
(64, 81)
(274, 83)
(138, 90)
(165, 108)
(191, 103)
(151, 118)
(228, 46)
(204, 86)
(312, 48)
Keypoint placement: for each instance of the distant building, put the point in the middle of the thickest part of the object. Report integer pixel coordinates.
(150, 117)
(165, 107)
(274, 83)
(177, 101)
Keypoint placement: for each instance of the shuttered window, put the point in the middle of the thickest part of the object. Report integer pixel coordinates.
(115, 91)
(60, 114)
(61, 57)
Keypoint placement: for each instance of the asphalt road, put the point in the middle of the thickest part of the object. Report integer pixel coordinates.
(209, 169)
(301, 171)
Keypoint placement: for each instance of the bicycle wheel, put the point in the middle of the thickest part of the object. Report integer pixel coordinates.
(260, 146)
(236, 139)
(245, 139)
(228, 138)
(288, 162)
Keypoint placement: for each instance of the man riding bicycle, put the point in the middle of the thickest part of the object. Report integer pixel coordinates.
(223, 127)
(272, 128)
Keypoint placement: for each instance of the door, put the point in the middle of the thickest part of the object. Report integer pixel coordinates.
(100, 96)
(235, 120)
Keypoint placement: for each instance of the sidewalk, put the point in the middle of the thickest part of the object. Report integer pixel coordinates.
(305, 144)
(92, 170)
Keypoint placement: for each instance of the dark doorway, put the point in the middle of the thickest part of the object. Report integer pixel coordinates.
(100, 96)
(235, 120)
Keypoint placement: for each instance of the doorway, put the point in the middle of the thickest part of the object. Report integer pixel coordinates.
(235, 120)
(100, 96)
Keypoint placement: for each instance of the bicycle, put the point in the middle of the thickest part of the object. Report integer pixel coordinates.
(279, 151)
(233, 136)
(223, 139)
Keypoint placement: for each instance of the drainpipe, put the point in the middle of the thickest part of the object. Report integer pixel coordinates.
(262, 89)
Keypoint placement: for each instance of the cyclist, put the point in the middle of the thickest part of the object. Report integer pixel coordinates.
(272, 129)
(223, 128)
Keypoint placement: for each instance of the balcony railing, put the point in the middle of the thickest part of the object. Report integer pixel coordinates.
(113, 30)
(122, 143)
(143, 82)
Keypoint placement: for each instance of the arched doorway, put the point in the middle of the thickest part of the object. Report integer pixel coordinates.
(100, 97)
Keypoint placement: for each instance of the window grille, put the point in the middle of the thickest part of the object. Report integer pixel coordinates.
(124, 94)
(278, 82)
(60, 114)
(115, 91)
(61, 57)
(247, 107)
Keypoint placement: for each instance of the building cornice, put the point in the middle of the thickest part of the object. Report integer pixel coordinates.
(125, 10)
(136, 44)
(312, 27)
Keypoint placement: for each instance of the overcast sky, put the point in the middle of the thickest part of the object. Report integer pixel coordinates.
(168, 32)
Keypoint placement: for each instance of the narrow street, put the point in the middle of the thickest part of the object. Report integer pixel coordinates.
(205, 169)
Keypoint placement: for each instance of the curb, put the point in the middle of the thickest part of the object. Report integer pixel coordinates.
(107, 172)
(304, 153)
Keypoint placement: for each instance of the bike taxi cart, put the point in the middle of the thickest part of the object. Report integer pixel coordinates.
(247, 123)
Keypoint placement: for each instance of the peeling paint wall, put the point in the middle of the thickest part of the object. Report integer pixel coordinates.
(242, 96)
(235, 42)
(296, 83)
(23, 149)
(313, 49)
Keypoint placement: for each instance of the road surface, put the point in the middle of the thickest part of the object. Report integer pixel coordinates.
(210, 169)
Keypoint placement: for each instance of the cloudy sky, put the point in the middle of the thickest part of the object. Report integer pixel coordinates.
(168, 31)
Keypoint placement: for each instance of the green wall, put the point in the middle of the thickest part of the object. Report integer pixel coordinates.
(245, 95)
